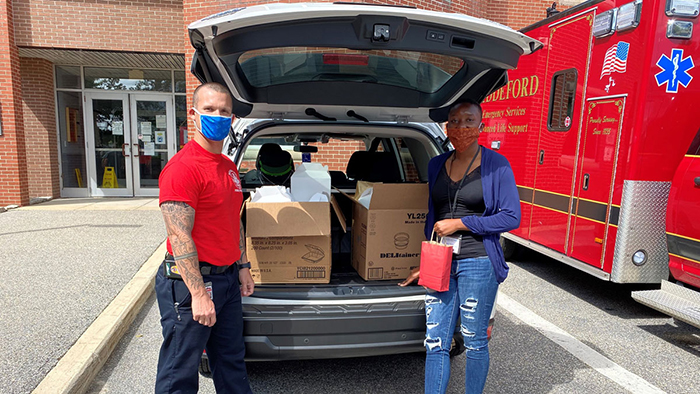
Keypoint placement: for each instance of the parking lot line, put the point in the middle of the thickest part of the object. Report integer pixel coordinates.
(578, 349)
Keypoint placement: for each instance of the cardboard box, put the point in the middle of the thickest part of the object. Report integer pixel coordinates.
(387, 237)
(290, 242)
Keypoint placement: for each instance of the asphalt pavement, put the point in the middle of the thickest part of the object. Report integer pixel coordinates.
(63, 262)
(646, 348)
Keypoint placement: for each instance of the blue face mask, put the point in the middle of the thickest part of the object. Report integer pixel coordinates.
(214, 127)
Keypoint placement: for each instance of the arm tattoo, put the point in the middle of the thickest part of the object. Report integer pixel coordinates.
(241, 244)
(179, 220)
(185, 256)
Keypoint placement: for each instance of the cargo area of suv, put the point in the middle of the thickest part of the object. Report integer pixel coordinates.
(349, 316)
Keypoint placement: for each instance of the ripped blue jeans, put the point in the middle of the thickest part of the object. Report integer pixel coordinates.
(471, 296)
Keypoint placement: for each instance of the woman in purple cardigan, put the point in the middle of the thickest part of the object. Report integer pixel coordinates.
(473, 199)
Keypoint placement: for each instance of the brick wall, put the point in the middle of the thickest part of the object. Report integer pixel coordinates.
(39, 109)
(134, 25)
(336, 153)
(520, 13)
(13, 160)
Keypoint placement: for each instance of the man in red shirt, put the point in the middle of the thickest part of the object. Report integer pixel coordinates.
(206, 270)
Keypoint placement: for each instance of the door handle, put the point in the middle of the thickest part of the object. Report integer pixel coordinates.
(586, 179)
(123, 150)
(697, 182)
(137, 150)
(542, 156)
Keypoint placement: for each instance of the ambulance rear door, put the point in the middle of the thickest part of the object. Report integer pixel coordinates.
(599, 150)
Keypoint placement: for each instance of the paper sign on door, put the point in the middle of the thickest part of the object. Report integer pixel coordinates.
(117, 128)
(160, 121)
(149, 149)
(146, 128)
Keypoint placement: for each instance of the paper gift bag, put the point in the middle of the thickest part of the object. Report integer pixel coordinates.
(435, 265)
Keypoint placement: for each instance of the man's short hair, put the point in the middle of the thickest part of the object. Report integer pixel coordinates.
(470, 102)
(214, 86)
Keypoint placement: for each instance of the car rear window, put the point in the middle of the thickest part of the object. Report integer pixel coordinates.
(424, 72)
(395, 160)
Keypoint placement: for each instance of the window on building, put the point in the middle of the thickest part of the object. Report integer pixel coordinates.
(72, 139)
(68, 77)
(128, 79)
(180, 82)
(561, 101)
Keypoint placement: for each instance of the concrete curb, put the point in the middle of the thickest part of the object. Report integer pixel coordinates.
(84, 360)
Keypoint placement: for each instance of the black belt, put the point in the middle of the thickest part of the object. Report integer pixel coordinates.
(204, 267)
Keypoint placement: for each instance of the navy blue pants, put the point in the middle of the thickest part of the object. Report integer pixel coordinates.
(184, 339)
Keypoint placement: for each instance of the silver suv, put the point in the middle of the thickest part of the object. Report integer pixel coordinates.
(323, 81)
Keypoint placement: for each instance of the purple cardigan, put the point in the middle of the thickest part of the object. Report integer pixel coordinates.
(501, 199)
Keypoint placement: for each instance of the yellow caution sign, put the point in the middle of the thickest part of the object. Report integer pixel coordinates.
(109, 179)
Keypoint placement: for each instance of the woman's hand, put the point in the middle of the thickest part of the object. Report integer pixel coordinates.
(447, 227)
(415, 273)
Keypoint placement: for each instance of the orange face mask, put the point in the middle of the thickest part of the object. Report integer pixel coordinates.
(462, 137)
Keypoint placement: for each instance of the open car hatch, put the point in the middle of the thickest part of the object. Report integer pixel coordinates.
(338, 61)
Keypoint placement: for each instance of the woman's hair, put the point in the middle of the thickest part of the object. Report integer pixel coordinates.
(467, 101)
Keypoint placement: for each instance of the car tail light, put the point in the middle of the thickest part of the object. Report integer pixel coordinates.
(348, 60)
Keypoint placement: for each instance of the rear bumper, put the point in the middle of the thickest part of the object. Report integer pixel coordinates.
(294, 330)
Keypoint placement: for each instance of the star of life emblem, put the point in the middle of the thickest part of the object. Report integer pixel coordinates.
(674, 71)
(235, 180)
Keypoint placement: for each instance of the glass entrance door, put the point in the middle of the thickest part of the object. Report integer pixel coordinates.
(128, 144)
(153, 139)
(109, 144)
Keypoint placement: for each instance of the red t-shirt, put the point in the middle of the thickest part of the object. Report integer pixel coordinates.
(210, 184)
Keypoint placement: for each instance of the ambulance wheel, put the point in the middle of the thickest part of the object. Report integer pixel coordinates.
(204, 369)
(457, 346)
(510, 249)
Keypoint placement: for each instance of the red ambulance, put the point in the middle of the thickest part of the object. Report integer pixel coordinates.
(602, 129)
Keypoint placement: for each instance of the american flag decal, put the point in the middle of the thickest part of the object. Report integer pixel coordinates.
(615, 59)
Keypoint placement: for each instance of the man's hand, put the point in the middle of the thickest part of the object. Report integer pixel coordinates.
(247, 284)
(203, 310)
(447, 227)
(415, 274)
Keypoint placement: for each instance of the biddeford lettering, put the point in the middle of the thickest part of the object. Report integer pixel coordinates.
(523, 87)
